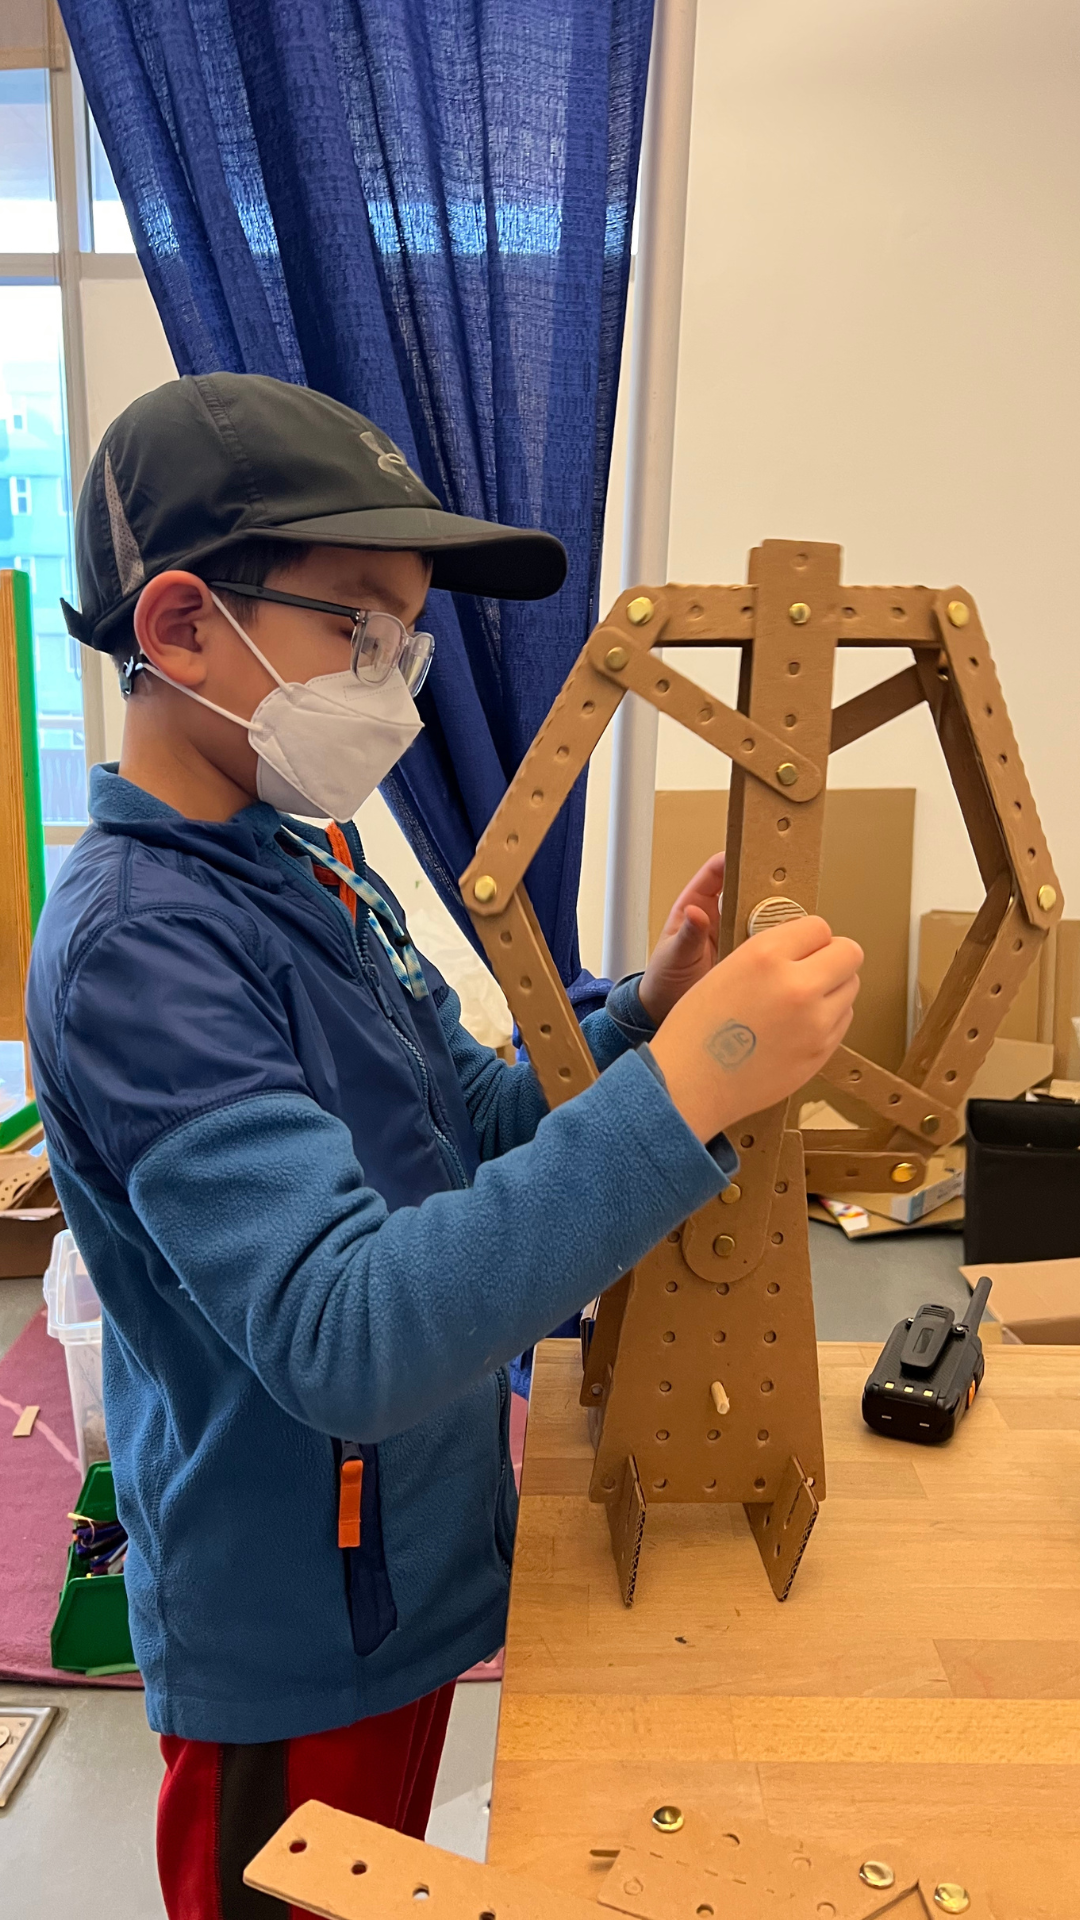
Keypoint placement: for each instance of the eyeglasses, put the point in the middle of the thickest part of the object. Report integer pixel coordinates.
(380, 641)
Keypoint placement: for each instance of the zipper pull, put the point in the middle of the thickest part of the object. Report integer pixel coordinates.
(350, 1484)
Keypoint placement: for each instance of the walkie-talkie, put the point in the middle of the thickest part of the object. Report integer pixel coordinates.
(928, 1374)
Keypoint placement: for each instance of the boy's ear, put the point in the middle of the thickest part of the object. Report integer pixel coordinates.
(170, 622)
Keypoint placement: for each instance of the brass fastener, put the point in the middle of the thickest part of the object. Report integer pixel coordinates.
(667, 1819)
(904, 1173)
(485, 889)
(787, 774)
(1047, 898)
(958, 613)
(799, 613)
(640, 611)
(877, 1873)
(616, 658)
(951, 1897)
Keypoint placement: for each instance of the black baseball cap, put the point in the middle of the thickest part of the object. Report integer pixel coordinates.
(213, 458)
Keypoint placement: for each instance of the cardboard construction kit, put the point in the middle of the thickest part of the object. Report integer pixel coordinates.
(673, 1863)
(701, 1374)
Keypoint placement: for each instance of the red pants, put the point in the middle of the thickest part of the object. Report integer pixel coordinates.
(220, 1804)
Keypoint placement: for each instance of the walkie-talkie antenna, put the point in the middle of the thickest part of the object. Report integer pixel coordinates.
(975, 1306)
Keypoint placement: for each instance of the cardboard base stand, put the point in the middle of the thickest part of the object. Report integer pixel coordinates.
(701, 1374)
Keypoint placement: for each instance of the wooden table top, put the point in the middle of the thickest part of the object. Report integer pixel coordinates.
(924, 1674)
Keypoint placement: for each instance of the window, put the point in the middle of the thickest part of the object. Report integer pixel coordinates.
(42, 170)
(110, 228)
(27, 201)
(35, 533)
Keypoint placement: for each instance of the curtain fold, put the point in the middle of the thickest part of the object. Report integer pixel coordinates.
(422, 207)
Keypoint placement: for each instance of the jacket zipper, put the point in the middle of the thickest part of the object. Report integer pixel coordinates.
(370, 974)
(504, 1460)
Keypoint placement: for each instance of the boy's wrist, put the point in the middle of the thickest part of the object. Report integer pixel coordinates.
(717, 1144)
(626, 1008)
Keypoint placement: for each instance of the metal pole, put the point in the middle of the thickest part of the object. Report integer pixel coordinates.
(654, 365)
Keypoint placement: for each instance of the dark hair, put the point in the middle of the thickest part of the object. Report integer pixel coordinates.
(249, 562)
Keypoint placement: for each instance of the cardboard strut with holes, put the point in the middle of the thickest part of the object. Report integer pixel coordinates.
(701, 1375)
(673, 1865)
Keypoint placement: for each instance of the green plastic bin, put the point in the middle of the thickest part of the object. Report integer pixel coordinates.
(90, 1633)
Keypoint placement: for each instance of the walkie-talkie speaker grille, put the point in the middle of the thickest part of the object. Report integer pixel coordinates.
(772, 913)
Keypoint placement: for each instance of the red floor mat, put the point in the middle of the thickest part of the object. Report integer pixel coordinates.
(39, 1484)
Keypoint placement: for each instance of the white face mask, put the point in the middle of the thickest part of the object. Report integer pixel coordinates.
(323, 745)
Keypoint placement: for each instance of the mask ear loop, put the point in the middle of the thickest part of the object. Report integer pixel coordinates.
(148, 667)
(248, 641)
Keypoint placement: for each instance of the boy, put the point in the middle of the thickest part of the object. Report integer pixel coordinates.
(319, 1216)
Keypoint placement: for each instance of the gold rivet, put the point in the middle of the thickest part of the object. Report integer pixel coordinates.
(799, 613)
(1047, 897)
(667, 1819)
(640, 611)
(485, 889)
(958, 613)
(904, 1173)
(719, 1397)
(951, 1897)
(723, 1246)
(787, 774)
(877, 1873)
(730, 1195)
(616, 658)
(930, 1123)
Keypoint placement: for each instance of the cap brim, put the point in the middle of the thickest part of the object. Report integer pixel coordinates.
(469, 556)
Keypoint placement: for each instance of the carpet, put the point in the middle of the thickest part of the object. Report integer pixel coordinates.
(39, 1484)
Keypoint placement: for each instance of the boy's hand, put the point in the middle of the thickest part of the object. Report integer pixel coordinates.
(759, 1025)
(686, 949)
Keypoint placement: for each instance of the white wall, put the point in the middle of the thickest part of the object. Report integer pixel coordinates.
(879, 348)
(126, 354)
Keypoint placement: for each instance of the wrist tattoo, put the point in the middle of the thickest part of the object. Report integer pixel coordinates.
(731, 1044)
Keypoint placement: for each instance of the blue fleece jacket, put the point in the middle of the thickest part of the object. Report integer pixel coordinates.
(318, 1214)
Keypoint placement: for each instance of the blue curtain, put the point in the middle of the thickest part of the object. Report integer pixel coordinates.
(422, 207)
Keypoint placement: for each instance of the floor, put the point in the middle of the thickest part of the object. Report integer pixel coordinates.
(78, 1833)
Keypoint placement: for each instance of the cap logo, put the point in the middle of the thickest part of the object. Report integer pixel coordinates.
(390, 460)
(129, 564)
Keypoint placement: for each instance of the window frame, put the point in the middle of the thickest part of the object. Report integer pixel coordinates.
(67, 268)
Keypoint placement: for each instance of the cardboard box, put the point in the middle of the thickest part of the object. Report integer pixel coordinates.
(1011, 1068)
(1066, 1023)
(857, 1222)
(865, 889)
(1046, 1009)
(30, 1216)
(1036, 1301)
(941, 935)
(1067, 1091)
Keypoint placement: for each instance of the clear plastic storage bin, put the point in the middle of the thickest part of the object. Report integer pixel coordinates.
(75, 1320)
